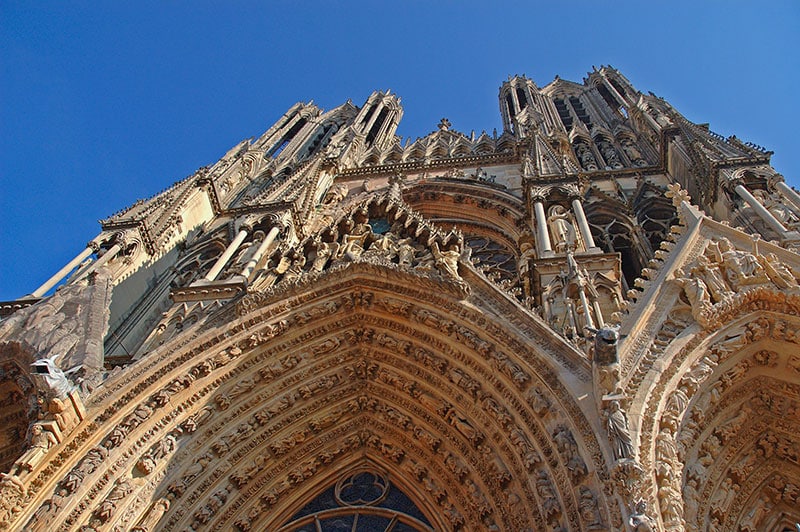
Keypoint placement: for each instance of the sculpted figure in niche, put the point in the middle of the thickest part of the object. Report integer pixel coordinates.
(405, 252)
(354, 241)
(589, 510)
(423, 258)
(385, 245)
(544, 487)
(294, 269)
(335, 194)
(609, 154)
(562, 230)
(632, 152)
(50, 507)
(323, 251)
(121, 489)
(41, 440)
(585, 156)
(618, 431)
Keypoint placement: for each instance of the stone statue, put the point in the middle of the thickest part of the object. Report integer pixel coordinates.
(609, 154)
(618, 431)
(447, 260)
(741, 267)
(41, 440)
(353, 242)
(778, 209)
(561, 229)
(639, 521)
(696, 292)
(405, 252)
(121, 489)
(605, 360)
(335, 194)
(711, 274)
(585, 156)
(632, 152)
(605, 345)
(778, 272)
(291, 265)
(589, 510)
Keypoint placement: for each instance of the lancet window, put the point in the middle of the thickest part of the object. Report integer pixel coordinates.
(376, 127)
(278, 147)
(608, 97)
(656, 215)
(523, 102)
(616, 233)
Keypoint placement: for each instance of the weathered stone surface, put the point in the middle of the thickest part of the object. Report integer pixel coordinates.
(536, 330)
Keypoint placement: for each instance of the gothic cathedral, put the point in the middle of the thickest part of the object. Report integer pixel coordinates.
(588, 321)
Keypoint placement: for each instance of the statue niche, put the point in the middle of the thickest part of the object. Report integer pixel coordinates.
(562, 229)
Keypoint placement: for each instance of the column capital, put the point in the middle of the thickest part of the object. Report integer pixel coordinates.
(573, 191)
(539, 194)
(245, 224)
(734, 182)
(276, 220)
(774, 179)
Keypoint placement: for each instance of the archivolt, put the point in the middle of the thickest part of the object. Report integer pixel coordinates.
(244, 424)
(727, 405)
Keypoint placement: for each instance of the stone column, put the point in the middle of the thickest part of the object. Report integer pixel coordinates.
(598, 314)
(542, 234)
(586, 311)
(55, 279)
(583, 225)
(262, 248)
(760, 209)
(107, 256)
(227, 254)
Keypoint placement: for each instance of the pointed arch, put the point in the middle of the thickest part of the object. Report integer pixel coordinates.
(361, 366)
(727, 419)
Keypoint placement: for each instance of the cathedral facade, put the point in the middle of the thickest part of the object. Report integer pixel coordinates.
(587, 321)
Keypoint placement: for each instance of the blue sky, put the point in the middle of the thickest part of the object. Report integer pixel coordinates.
(105, 103)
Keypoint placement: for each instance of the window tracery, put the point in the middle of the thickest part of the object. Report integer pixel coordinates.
(361, 501)
(497, 262)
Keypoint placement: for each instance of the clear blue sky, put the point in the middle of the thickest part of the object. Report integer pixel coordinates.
(104, 103)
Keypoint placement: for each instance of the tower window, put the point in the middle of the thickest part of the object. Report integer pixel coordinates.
(608, 97)
(287, 138)
(618, 87)
(376, 127)
(523, 102)
(563, 113)
(580, 110)
(510, 104)
(369, 115)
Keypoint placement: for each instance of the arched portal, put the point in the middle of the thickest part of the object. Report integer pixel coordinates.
(262, 409)
(724, 442)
